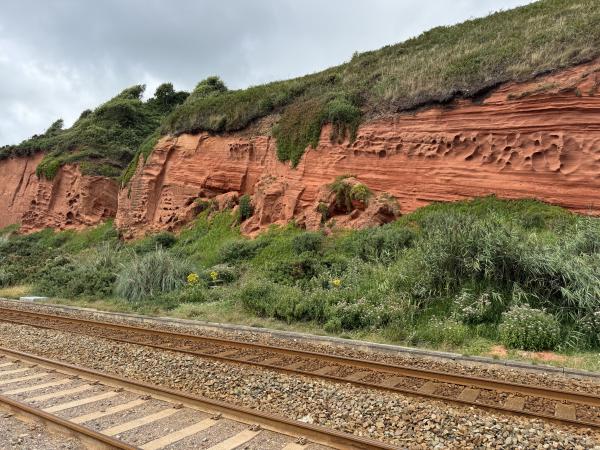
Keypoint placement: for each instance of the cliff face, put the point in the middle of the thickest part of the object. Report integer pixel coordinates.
(539, 139)
(70, 201)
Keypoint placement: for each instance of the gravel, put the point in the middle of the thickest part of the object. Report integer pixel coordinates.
(511, 374)
(400, 420)
(17, 434)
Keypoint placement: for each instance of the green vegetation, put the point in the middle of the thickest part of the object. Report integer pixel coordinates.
(150, 275)
(103, 141)
(246, 208)
(530, 329)
(444, 63)
(465, 275)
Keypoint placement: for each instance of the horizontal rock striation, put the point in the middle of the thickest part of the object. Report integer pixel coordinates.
(539, 139)
(69, 201)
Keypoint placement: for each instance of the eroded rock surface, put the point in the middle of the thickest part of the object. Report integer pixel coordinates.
(69, 201)
(539, 139)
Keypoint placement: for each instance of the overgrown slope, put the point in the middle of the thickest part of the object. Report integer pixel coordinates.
(446, 275)
(444, 63)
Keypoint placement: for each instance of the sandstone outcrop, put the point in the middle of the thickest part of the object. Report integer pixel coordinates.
(539, 139)
(69, 201)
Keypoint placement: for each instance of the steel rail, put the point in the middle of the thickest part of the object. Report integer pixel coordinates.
(432, 375)
(314, 433)
(90, 438)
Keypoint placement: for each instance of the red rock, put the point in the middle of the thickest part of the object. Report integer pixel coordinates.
(515, 144)
(70, 201)
(539, 139)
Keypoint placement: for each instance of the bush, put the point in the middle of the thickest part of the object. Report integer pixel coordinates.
(307, 242)
(246, 209)
(475, 308)
(239, 250)
(527, 328)
(294, 269)
(341, 189)
(383, 244)
(223, 273)
(92, 275)
(267, 299)
(360, 192)
(152, 274)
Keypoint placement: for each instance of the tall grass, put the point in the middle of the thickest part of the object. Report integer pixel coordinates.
(152, 274)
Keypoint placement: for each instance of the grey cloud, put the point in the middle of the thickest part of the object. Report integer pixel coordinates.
(58, 57)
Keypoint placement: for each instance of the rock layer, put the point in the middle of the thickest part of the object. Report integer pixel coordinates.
(69, 201)
(539, 139)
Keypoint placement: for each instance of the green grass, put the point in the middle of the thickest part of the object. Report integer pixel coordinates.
(442, 64)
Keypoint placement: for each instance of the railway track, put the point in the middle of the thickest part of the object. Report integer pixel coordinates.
(565, 407)
(106, 411)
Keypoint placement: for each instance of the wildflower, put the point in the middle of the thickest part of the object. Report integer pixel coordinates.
(336, 282)
(214, 275)
(193, 278)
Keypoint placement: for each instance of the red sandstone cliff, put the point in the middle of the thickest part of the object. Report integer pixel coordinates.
(539, 139)
(71, 200)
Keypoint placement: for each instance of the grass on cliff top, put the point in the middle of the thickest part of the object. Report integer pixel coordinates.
(103, 141)
(448, 276)
(463, 60)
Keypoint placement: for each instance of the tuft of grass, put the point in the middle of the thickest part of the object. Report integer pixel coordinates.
(151, 275)
(18, 291)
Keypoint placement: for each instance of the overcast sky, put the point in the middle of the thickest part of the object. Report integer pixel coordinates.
(59, 57)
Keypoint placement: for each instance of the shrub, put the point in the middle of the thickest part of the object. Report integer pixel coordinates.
(165, 240)
(475, 308)
(341, 188)
(267, 299)
(383, 244)
(307, 242)
(246, 209)
(527, 328)
(224, 273)
(293, 269)
(323, 209)
(150, 243)
(6, 277)
(152, 274)
(92, 275)
(239, 250)
(360, 192)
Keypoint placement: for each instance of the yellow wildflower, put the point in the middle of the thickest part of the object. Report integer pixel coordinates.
(214, 275)
(336, 282)
(193, 278)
